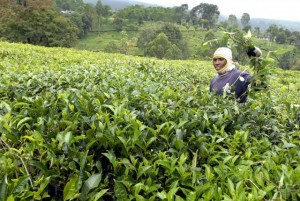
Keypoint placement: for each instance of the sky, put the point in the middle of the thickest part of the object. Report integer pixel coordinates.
(269, 9)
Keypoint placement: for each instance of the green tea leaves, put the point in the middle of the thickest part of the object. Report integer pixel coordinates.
(78, 125)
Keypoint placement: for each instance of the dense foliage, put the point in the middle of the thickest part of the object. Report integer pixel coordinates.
(140, 14)
(35, 22)
(159, 38)
(94, 126)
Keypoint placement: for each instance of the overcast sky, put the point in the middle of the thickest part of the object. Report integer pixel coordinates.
(270, 9)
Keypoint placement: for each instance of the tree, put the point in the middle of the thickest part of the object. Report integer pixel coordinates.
(140, 13)
(150, 32)
(294, 39)
(112, 47)
(224, 24)
(172, 32)
(82, 18)
(106, 11)
(233, 22)
(99, 9)
(102, 11)
(119, 23)
(159, 46)
(77, 19)
(245, 20)
(36, 22)
(205, 14)
(161, 14)
(297, 42)
(184, 48)
(133, 13)
(5, 10)
(281, 38)
(181, 13)
(125, 43)
(287, 59)
(173, 52)
(71, 5)
(273, 31)
(256, 31)
(87, 18)
(147, 34)
(31, 3)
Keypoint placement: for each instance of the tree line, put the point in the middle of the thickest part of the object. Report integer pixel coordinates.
(63, 22)
(32, 21)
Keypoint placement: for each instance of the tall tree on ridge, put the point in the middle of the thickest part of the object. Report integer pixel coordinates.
(233, 21)
(245, 20)
(205, 14)
(181, 13)
(99, 9)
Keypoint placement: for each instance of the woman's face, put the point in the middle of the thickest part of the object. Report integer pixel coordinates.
(219, 63)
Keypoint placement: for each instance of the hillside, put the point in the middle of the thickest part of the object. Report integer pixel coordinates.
(96, 126)
(255, 22)
(194, 39)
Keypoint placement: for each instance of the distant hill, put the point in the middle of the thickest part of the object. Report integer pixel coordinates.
(119, 4)
(265, 23)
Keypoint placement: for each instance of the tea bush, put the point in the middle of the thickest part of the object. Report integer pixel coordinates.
(78, 125)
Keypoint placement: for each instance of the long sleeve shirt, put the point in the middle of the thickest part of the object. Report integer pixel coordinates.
(235, 81)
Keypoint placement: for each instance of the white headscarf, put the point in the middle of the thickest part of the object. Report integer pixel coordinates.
(225, 53)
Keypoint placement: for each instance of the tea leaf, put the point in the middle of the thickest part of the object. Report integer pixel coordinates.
(11, 198)
(91, 183)
(70, 191)
(120, 191)
(21, 123)
(21, 184)
(100, 194)
(3, 188)
(231, 187)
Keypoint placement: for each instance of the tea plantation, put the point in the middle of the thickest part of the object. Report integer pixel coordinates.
(79, 125)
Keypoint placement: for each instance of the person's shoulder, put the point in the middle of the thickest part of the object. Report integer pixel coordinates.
(241, 72)
(214, 78)
(246, 74)
(235, 70)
